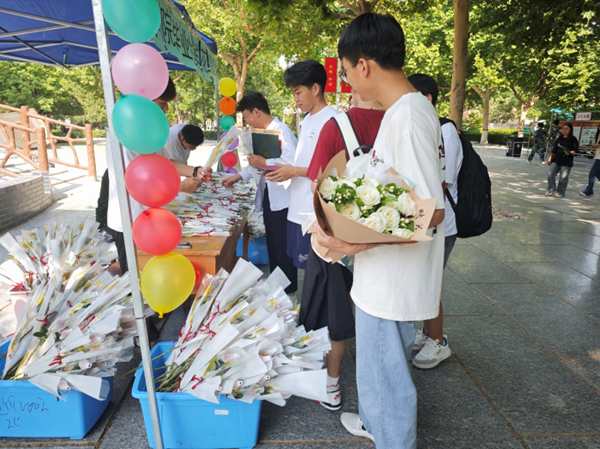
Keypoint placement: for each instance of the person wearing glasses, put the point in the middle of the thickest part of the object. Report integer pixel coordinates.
(273, 198)
(394, 285)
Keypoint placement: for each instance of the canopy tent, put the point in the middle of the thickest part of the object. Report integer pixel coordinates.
(61, 33)
(73, 33)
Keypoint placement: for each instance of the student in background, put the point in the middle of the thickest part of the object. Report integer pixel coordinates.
(273, 198)
(307, 81)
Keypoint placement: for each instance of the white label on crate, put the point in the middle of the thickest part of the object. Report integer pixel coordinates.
(221, 412)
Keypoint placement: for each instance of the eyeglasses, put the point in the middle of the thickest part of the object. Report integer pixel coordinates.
(342, 73)
(246, 115)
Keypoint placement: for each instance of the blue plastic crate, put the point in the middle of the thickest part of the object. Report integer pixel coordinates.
(257, 250)
(188, 422)
(27, 411)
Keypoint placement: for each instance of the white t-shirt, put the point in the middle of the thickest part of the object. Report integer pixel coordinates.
(454, 158)
(301, 196)
(279, 192)
(403, 283)
(113, 216)
(174, 149)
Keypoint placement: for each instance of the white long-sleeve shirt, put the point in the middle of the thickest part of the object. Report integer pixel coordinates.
(279, 192)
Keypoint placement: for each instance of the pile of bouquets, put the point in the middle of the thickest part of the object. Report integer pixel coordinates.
(78, 321)
(241, 339)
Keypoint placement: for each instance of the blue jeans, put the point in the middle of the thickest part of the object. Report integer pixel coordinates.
(387, 396)
(594, 174)
(562, 182)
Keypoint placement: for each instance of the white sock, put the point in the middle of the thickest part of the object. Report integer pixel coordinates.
(332, 381)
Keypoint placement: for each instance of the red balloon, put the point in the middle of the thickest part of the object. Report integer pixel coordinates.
(152, 180)
(198, 272)
(156, 231)
(229, 159)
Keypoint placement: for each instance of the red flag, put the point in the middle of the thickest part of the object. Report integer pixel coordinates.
(331, 69)
(346, 89)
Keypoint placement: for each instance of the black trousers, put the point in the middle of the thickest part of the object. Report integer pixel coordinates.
(276, 233)
(120, 243)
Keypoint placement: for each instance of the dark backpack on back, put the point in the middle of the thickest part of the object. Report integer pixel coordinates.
(473, 209)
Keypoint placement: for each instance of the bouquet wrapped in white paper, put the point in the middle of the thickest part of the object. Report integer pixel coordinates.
(78, 321)
(241, 339)
(212, 210)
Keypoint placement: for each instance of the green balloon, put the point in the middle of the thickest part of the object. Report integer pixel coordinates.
(140, 125)
(226, 122)
(132, 20)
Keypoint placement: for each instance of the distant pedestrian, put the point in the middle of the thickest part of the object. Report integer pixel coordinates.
(553, 135)
(539, 143)
(561, 159)
(595, 170)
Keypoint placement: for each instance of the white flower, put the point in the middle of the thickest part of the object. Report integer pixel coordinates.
(327, 188)
(390, 216)
(345, 181)
(350, 211)
(369, 195)
(392, 204)
(370, 182)
(403, 232)
(375, 222)
(406, 205)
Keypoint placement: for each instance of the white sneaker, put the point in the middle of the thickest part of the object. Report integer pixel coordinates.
(354, 425)
(334, 398)
(543, 163)
(432, 354)
(420, 340)
(549, 193)
(558, 195)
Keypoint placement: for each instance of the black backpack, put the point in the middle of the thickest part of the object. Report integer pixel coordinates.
(473, 209)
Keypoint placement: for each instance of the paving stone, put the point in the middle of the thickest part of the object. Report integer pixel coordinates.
(452, 412)
(475, 266)
(532, 389)
(461, 299)
(585, 241)
(305, 420)
(580, 290)
(566, 442)
(573, 257)
(561, 328)
(589, 369)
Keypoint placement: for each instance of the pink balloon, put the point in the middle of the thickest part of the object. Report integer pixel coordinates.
(139, 69)
(156, 231)
(152, 180)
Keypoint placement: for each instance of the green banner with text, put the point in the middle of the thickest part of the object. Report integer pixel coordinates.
(178, 36)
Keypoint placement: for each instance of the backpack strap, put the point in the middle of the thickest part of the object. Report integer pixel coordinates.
(348, 133)
(443, 121)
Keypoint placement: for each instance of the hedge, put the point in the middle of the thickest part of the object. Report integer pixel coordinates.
(210, 135)
(496, 137)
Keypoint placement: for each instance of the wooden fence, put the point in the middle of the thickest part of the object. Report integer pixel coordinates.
(36, 130)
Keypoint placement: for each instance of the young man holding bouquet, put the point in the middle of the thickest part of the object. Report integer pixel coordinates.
(393, 284)
(307, 81)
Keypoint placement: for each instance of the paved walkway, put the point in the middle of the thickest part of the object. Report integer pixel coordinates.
(522, 310)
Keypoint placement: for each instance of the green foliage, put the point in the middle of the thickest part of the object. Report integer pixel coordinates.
(99, 133)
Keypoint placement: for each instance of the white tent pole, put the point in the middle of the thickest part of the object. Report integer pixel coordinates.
(116, 149)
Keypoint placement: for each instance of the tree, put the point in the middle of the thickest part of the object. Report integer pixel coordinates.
(485, 81)
(459, 60)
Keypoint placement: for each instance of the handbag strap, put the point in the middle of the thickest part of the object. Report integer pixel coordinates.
(348, 133)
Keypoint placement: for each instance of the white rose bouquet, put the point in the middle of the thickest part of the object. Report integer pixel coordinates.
(368, 207)
(387, 209)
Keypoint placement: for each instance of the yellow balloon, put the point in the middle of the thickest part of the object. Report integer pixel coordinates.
(227, 87)
(167, 281)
